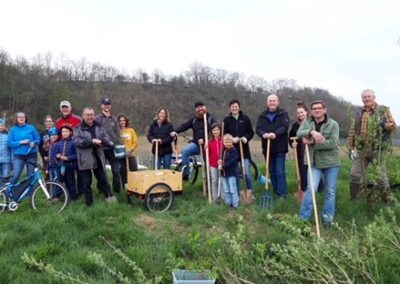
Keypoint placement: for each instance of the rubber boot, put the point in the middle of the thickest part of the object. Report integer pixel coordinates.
(355, 189)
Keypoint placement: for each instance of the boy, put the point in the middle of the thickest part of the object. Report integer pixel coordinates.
(229, 165)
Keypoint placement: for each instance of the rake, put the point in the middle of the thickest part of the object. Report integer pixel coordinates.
(266, 201)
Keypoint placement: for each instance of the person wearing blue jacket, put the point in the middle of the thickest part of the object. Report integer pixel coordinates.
(5, 153)
(66, 155)
(23, 139)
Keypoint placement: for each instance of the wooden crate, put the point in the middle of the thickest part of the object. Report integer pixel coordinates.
(140, 181)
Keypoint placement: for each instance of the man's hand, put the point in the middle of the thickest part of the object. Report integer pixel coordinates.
(308, 141)
(318, 137)
(235, 140)
(200, 141)
(173, 134)
(265, 135)
(96, 141)
(244, 140)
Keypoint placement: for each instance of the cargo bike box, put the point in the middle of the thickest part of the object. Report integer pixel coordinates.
(156, 187)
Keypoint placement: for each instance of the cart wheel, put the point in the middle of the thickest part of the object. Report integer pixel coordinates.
(159, 198)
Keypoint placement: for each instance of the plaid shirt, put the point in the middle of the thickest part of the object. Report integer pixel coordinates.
(365, 114)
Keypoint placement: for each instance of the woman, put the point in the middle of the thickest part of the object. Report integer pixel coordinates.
(5, 153)
(129, 138)
(23, 139)
(159, 132)
(44, 143)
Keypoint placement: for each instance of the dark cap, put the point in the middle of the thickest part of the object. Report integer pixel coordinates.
(105, 101)
(198, 104)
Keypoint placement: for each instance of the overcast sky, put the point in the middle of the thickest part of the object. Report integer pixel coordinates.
(341, 46)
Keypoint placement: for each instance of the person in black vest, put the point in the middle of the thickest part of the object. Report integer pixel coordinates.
(273, 124)
(196, 123)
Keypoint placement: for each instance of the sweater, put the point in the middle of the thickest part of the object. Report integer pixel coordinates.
(18, 133)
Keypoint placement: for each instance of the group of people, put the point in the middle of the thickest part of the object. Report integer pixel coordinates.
(74, 148)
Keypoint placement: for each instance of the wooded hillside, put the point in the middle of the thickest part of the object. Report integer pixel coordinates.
(38, 85)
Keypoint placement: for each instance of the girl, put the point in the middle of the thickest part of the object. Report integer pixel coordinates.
(44, 142)
(129, 138)
(53, 163)
(5, 153)
(66, 156)
(159, 132)
(215, 148)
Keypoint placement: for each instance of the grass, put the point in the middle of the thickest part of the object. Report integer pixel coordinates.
(157, 244)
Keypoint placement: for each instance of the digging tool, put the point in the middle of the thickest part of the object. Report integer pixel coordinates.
(220, 157)
(208, 184)
(299, 193)
(245, 194)
(156, 156)
(203, 171)
(266, 200)
(312, 191)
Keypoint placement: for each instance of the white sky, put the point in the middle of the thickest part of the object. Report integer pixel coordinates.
(343, 46)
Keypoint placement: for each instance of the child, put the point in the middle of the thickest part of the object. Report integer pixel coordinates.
(53, 163)
(5, 153)
(215, 149)
(229, 165)
(66, 156)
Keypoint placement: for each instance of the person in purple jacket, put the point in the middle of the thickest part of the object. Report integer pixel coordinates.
(23, 139)
(66, 155)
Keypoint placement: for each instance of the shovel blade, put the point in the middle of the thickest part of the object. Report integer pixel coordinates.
(246, 196)
(299, 195)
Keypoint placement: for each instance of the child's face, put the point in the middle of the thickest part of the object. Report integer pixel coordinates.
(228, 143)
(53, 138)
(65, 133)
(216, 132)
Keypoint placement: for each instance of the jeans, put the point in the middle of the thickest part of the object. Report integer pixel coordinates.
(19, 164)
(231, 193)
(115, 169)
(4, 172)
(249, 178)
(165, 160)
(214, 172)
(190, 150)
(277, 171)
(55, 174)
(330, 177)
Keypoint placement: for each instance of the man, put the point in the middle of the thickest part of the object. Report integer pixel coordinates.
(239, 126)
(111, 126)
(89, 139)
(365, 151)
(321, 135)
(196, 123)
(273, 124)
(67, 117)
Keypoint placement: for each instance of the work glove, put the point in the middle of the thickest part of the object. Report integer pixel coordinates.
(353, 154)
(235, 140)
(244, 140)
(265, 135)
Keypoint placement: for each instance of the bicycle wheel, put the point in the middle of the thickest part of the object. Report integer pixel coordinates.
(254, 170)
(159, 198)
(3, 201)
(58, 197)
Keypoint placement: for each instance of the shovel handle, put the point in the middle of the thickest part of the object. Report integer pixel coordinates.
(267, 163)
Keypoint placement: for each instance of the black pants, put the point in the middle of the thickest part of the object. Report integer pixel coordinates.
(133, 167)
(102, 182)
(69, 179)
(115, 168)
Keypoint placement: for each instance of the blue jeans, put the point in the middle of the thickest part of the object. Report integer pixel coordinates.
(249, 178)
(277, 171)
(55, 174)
(19, 164)
(190, 150)
(231, 193)
(330, 178)
(164, 160)
(4, 172)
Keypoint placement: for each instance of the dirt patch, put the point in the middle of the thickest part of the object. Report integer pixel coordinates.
(146, 221)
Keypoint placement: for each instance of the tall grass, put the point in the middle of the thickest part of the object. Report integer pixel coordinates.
(82, 243)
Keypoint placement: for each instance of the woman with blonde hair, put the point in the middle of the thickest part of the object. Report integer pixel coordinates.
(159, 132)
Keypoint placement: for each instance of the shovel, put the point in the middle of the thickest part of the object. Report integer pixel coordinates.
(208, 185)
(266, 200)
(245, 195)
(299, 193)
(220, 157)
(312, 191)
(156, 157)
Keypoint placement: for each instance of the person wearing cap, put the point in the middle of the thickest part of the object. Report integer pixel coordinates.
(111, 126)
(273, 125)
(67, 117)
(5, 153)
(90, 138)
(23, 139)
(196, 123)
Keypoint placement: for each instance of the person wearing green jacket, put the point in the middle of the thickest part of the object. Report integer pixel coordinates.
(321, 135)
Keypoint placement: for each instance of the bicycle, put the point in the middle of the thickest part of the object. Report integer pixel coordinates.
(50, 195)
